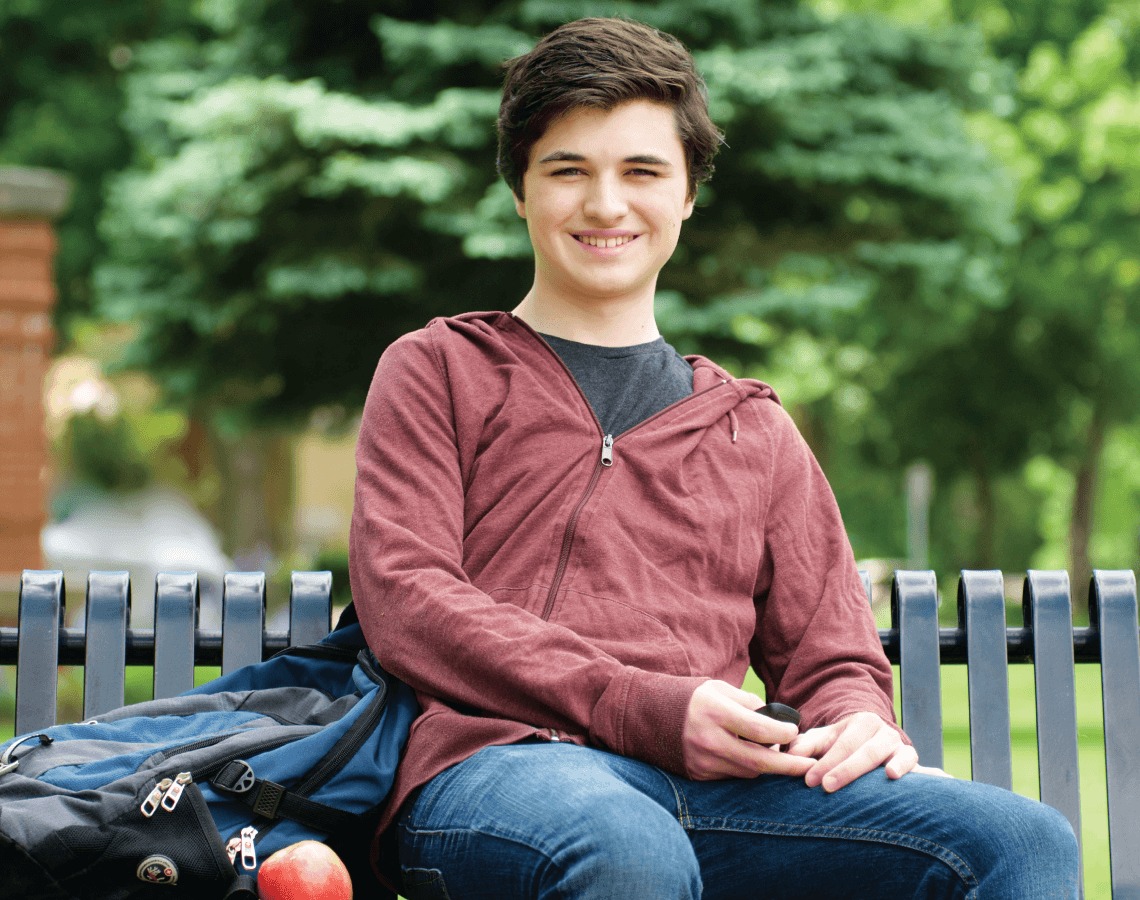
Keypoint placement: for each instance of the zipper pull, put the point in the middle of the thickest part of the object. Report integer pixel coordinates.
(233, 847)
(150, 805)
(248, 851)
(174, 793)
(608, 450)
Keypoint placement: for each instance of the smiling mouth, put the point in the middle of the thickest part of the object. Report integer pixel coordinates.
(605, 242)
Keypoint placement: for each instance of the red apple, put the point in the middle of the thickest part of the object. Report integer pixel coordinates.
(307, 870)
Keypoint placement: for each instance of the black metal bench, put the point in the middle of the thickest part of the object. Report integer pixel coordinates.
(981, 640)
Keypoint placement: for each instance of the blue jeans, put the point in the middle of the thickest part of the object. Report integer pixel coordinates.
(557, 820)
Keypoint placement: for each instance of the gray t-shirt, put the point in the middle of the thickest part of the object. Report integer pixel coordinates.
(626, 385)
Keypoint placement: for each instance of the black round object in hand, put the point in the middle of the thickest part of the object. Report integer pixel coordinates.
(781, 712)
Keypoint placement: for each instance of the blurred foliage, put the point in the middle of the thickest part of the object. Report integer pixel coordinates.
(103, 452)
(1054, 378)
(61, 97)
(923, 230)
(297, 202)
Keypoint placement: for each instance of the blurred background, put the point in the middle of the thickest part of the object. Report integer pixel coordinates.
(215, 215)
(924, 232)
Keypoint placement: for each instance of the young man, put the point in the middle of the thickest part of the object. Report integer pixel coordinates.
(572, 543)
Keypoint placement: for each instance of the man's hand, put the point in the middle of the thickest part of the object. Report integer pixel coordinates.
(724, 737)
(851, 747)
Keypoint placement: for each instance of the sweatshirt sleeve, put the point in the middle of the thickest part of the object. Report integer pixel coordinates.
(816, 646)
(431, 626)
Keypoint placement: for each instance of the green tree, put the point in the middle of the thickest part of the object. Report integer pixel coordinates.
(1078, 272)
(1060, 367)
(61, 97)
(313, 180)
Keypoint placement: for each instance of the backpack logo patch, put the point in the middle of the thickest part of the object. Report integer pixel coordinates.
(158, 870)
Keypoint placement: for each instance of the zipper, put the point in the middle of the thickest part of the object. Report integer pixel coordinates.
(243, 845)
(605, 461)
(165, 794)
(215, 764)
(169, 790)
(344, 750)
(347, 746)
(202, 744)
(330, 652)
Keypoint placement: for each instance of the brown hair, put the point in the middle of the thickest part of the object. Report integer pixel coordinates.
(600, 63)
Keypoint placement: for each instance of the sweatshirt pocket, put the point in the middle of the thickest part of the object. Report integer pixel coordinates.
(632, 636)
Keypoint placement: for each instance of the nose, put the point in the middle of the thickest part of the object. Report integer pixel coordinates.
(605, 199)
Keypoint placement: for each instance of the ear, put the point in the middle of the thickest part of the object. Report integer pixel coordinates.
(520, 205)
(688, 208)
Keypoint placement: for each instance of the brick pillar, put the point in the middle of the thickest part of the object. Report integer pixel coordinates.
(30, 199)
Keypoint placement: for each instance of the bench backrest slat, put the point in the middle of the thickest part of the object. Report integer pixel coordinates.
(310, 613)
(1113, 608)
(1048, 608)
(176, 602)
(40, 619)
(914, 611)
(243, 619)
(981, 608)
(105, 655)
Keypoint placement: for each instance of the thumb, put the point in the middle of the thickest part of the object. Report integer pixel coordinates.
(754, 702)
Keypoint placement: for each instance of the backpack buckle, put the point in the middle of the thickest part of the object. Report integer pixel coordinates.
(235, 777)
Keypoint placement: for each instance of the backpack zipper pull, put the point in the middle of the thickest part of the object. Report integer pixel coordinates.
(248, 851)
(608, 450)
(174, 792)
(233, 848)
(150, 805)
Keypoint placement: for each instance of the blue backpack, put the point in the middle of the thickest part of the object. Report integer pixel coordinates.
(195, 791)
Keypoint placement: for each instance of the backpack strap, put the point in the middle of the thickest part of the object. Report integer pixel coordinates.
(244, 887)
(347, 617)
(271, 800)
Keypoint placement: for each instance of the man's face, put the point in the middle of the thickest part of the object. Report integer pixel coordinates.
(606, 192)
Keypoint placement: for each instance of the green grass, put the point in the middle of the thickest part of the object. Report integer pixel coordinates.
(1023, 728)
(956, 740)
(138, 686)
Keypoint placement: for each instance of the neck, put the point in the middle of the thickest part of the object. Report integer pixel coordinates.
(617, 325)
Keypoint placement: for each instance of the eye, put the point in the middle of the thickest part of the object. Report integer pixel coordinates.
(567, 171)
(651, 173)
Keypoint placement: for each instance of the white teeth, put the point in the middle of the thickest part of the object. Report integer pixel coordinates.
(605, 242)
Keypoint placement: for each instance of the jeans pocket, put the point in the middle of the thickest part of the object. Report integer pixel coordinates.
(423, 884)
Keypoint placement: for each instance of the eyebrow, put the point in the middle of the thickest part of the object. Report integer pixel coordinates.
(645, 159)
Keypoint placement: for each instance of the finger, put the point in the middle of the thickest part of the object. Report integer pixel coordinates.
(753, 759)
(752, 726)
(854, 754)
(814, 742)
(931, 770)
(744, 698)
(736, 758)
(904, 760)
(848, 736)
(735, 711)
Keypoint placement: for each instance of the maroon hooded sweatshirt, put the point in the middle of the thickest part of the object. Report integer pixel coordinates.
(531, 578)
